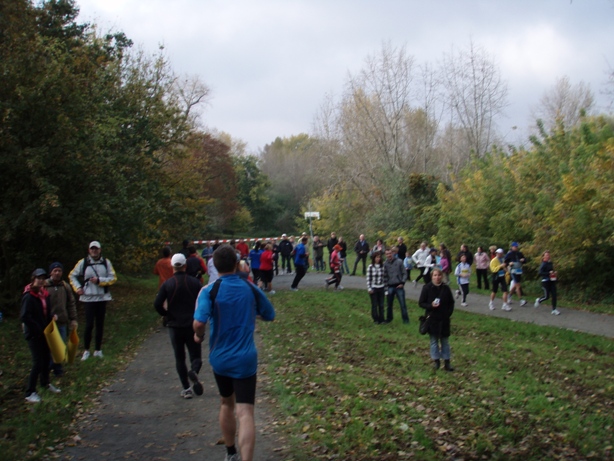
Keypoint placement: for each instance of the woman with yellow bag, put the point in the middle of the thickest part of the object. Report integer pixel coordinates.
(35, 316)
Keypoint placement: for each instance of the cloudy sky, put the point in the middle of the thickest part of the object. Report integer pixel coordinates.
(270, 63)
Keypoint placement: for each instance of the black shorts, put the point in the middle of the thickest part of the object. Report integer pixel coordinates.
(244, 389)
(266, 276)
(496, 281)
(517, 278)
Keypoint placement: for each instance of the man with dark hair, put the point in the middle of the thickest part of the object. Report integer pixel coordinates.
(301, 262)
(232, 304)
(176, 300)
(195, 266)
(163, 268)
(285, 250)
(362, 250)
(62, 304)
(395, 276)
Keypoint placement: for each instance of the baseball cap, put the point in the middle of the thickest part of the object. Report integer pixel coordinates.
(500, 250)
(514, 244)
(39, 272)
(283, 235)
(178, 260)
(95, 244)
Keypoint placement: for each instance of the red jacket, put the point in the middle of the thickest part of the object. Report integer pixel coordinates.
(266, 261)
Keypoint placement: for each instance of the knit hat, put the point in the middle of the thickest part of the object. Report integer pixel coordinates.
(54, 265)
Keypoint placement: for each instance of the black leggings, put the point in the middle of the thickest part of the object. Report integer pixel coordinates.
(421, 274)
(549, 292)
(483, 274)
(377, 304)
(335, 278)
(94, 313)
(182, 338)
(40, 363)
(300, 273)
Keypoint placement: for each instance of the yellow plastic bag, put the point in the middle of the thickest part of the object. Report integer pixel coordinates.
(72, 346)
(56, 344)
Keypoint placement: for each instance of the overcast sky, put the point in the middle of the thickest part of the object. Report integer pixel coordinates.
(270, 63)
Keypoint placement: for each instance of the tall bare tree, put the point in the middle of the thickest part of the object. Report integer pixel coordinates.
(564, 103)
(475, 95)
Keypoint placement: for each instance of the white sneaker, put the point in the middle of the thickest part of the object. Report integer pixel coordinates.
(506, 307)
(536, 303)
(555, 312)
(294, 289)
(522, 302)
(54, 389)
(509, 300)
(491, 306)
(234, 457)
(98, 354)
(33, 398)
(415, 283)
(86, 355)
(187, 393)
(339, 288)
(464, 304)
(272, 292)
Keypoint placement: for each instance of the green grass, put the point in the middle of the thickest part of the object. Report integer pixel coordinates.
(348, 389)
(31, 431)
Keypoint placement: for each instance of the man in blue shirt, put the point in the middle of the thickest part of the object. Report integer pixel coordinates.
(231, 306)
(301, 262)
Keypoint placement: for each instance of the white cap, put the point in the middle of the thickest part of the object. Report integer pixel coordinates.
(500, 250)
(283, 235)
(178, 260)
(95, 244)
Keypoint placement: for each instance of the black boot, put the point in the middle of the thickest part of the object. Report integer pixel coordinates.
(436, 364)
(447, 366)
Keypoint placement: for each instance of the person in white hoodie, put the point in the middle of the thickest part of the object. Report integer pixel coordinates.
(419, 258)
(91, 278)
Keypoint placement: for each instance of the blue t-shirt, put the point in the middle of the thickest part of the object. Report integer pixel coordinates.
(299, 255)
(232, 351)
(254, 257)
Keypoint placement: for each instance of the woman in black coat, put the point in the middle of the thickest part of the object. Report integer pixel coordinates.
(35, 316)
(437, 299)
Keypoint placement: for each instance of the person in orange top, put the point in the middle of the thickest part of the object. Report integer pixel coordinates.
(163, 268)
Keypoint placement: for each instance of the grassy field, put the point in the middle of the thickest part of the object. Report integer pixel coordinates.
(348, 389)
(33, 431)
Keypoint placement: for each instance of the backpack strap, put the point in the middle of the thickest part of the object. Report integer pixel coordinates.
(216, 288)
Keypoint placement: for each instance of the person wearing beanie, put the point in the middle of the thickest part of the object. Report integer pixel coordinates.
(63, 306)
(35, 315)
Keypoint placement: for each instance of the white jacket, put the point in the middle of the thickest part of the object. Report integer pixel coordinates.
(92, 292)
(420, 256)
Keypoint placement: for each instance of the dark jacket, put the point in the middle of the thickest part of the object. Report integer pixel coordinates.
(285, 247)
(32, 315)
(331, 244)
(439, 321)
(544, 270)
(361, 248)
(181, 291)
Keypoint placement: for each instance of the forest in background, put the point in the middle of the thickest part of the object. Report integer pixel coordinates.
(101, 141)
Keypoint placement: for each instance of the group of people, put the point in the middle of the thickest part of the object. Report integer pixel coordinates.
(49, 298)
(229, 304)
